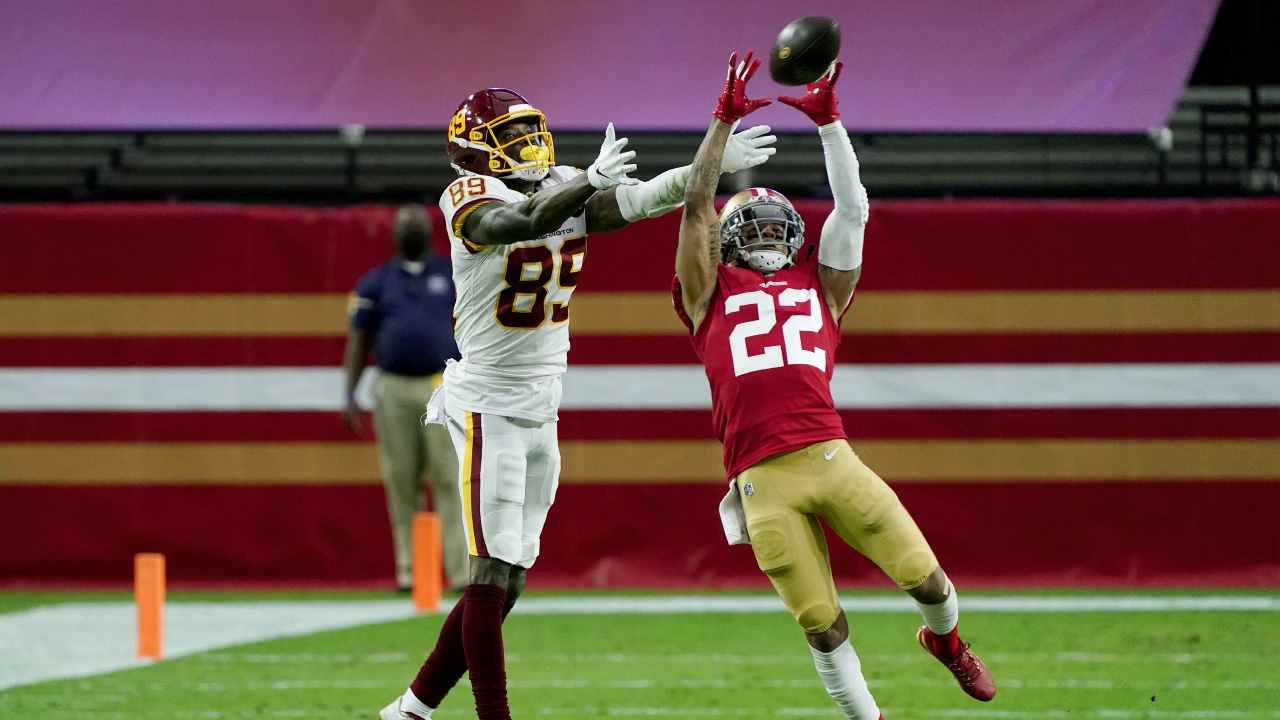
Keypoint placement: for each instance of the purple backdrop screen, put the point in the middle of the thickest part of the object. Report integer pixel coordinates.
(985, 65)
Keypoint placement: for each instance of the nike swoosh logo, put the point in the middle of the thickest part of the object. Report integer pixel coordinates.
(828, 456)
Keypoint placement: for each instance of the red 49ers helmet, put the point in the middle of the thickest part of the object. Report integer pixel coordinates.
(473, 145)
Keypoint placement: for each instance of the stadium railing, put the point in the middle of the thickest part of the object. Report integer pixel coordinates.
(1219, 141)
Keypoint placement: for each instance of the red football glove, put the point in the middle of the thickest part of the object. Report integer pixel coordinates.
(734, 105)
(820, 102)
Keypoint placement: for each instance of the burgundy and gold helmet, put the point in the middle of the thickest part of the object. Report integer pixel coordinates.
(473, 144)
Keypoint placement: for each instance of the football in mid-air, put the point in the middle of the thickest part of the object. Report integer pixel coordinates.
(804, 50)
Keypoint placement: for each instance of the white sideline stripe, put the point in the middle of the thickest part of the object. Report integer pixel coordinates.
(674, 387)
(80, 639)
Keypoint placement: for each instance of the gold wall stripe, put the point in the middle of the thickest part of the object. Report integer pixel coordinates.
(648, 461)
(650, 313)
(945, 312)
(943, 460)
(172, 315)
(196, 463)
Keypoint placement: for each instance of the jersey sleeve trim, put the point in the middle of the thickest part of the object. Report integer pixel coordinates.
(460, 217)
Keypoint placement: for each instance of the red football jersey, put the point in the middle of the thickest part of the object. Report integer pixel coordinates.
(768, 344)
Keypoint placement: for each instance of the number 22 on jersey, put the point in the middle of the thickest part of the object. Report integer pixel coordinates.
(772, 356)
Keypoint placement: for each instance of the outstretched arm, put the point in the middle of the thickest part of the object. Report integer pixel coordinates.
(698, 253)
(498, 223)
(699, 250)
(615, 209)
(504, 223)
(840, 253)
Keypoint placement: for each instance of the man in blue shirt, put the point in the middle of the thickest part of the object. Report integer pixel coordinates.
(403, 311)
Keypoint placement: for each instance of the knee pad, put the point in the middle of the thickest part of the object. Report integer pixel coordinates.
(505, 546)
(913, 568)
(817, 617)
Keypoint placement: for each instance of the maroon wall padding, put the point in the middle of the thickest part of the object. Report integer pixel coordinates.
(911, 245)
(651, 535)
(647, 534)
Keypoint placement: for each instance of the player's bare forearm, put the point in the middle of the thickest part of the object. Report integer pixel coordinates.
(546, 210)
(699, 227)
(837, 288)
(603, 213)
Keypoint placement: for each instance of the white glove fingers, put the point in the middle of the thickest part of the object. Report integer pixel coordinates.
(757, 142)
(754, 131)
(611, 167)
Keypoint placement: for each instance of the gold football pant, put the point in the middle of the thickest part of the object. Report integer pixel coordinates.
(783, 496)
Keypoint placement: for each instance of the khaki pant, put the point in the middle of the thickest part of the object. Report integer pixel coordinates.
(407, 450)
(783, 496)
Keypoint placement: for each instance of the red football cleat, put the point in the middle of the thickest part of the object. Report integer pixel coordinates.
(972, 675)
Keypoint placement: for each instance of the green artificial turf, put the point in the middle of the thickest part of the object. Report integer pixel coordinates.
(1109, 665)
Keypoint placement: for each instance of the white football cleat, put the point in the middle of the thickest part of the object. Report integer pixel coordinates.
(393, 712)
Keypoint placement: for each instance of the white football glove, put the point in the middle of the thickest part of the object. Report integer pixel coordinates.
(748, 148)
(611, 167)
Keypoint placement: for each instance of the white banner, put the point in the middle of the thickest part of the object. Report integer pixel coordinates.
(668, 387)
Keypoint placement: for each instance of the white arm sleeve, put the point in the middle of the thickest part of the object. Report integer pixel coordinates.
(841, 246)
(655, 197)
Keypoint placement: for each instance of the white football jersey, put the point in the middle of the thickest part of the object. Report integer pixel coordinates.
(512, 311)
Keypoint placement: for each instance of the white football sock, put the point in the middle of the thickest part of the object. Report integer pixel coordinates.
(410, 703)
(942, 618)
(841, 672)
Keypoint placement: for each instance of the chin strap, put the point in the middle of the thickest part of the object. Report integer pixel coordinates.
(534, 174)
(768, 260)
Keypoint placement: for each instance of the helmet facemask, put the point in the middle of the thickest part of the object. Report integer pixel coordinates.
(764, 234)
(534, 153)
